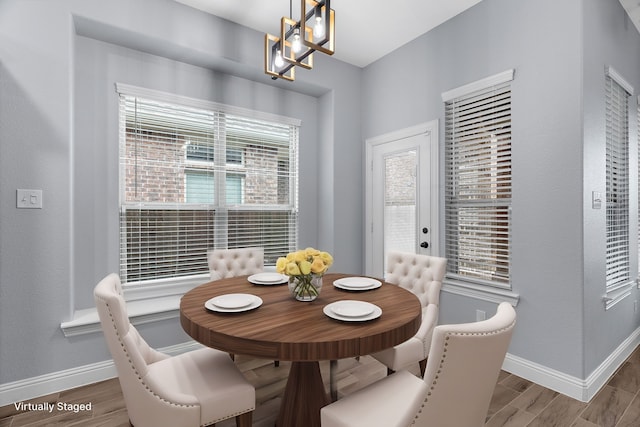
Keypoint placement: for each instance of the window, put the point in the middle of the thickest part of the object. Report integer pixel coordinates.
(617, 181)
(196, 176)
(478, 181)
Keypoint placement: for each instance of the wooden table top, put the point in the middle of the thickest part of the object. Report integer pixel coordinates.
(285, 329)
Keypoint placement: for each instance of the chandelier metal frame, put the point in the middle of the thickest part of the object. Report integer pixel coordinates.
(298, 40)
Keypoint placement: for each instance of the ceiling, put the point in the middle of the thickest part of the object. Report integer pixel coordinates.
(633, 10)
(359, 40)
(358, 22)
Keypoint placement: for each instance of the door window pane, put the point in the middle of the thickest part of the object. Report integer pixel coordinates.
(400, 202)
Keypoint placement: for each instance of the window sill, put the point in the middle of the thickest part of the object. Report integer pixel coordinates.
(86, 321)
(152, 302)
(615, 296)
(481, 292)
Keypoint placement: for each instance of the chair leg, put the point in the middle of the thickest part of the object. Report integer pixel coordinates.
(423, 366)
(333, 382)
(244, 420)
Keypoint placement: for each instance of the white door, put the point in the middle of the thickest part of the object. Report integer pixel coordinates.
(402, 196)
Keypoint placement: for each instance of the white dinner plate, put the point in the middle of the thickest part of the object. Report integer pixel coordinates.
(332, 310)
(233, 303)
(232, 300)
(357, 283)
(268, 278)
(350, 308)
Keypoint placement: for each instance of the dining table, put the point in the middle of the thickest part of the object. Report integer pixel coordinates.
(282, 328)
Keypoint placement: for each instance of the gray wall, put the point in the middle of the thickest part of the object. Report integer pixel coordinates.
(59, 61)
(558, 51)
(610, 39)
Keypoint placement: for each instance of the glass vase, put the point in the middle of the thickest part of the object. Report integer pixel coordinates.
(306, 287)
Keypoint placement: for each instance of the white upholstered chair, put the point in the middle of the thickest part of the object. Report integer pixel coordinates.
(462, 371)
(225, 263)
(196, 388)
(422, 275)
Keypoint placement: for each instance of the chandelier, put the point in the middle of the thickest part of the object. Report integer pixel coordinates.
(298, 40)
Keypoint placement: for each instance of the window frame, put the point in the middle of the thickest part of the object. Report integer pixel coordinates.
(163, 287)
(637, 122)
(620, 289)
(475, 287)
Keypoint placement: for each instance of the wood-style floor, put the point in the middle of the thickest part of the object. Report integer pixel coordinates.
(516, 402)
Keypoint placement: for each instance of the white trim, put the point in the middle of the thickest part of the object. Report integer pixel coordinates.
(141, 311)
(54, 382)
(427, 127)
(154, 301)
(157, 95)
(496, 79)
(550, 378)
(616, 295)
(574, 387)
(480, 292)
(430, 128)
(569, 385)
(617, 77)
(151, 301)
(157, 288)
(435, 187)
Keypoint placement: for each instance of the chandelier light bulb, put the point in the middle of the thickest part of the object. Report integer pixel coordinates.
(318, 28)
(279, 62)
(296, 45)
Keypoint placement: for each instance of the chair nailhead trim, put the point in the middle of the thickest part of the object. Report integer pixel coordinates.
(113, 323)
(444, 355)
(210, 423)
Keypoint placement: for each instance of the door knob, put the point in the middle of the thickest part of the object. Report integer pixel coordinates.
(424, 245)
(425, 230)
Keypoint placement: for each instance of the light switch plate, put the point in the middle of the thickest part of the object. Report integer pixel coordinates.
(596, 200)
(28, 199)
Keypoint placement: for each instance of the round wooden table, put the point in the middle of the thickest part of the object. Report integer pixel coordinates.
(285, 329)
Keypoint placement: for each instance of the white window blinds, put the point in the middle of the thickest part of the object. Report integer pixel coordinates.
(617, 184)
(193, 179)
(478, 185)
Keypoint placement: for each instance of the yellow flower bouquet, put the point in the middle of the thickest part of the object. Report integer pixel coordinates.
(305, 269)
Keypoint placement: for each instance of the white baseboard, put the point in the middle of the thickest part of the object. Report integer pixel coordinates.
(54, 382)
(571, 386)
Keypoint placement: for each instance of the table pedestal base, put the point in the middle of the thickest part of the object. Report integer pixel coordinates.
(304, 396)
